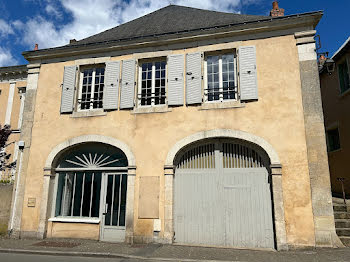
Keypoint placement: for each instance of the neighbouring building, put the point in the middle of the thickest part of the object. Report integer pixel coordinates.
(335, 89)
(12, 96)
(183, 126)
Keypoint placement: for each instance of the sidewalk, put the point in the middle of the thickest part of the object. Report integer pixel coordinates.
(164, 252)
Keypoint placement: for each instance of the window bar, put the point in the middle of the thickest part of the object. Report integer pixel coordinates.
(74, 182)
(82, 196)
(119, 200)
(92, 192)
(240, 156)
(64, 195)
(113, 188)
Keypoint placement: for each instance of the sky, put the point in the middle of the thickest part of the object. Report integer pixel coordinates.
(50, 23)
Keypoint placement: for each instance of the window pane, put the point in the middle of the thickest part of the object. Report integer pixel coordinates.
(117, 184)
(109, 200)
(78, 194)
(99, 85)
(344, 77)
(87, 194)
(75, 183)
(123, 200)
(95, 207)
(60, 187)
(333, 140)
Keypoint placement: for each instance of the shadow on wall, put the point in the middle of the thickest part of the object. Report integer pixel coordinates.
(5, 206)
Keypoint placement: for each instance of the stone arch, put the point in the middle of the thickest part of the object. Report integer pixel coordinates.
(89, 138)
(223, 133)
(49, 175)
(276, 172)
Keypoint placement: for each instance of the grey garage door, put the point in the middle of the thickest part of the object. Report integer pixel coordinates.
(222, 196)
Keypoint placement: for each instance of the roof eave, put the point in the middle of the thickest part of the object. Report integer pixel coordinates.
(311, 18)
(342, 49)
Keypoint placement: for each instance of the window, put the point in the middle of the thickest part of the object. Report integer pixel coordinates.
(220, 77)
(333, 141)
(91, 88)
(78, 194)
(79, 181)
(152, 76)
(343, 76)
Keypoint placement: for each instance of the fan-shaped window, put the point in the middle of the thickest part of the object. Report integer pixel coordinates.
(93, 156)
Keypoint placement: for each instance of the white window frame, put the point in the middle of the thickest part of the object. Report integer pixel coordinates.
(221, 89)
(80, 93)
(139, 90)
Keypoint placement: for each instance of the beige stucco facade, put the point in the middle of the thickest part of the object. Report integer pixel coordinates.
(10, 109)
(277, 122)
(270, 118)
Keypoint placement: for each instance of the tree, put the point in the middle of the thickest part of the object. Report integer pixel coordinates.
(5, 164)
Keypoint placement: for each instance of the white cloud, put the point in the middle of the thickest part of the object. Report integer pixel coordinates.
(93, 16)
(52, 10)
(6, 58)
(5, 28)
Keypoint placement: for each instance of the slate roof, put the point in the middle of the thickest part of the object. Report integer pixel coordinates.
(168, 20)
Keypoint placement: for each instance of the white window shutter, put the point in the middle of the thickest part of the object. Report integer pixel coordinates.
(68, 89)
(194, 78)
(175, 80)
(111, 87)
(248, 73)
(128, 84)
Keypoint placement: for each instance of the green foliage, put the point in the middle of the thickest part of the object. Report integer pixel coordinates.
(5, 164)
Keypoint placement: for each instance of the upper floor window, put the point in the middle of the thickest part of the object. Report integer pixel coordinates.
(344, 76)
(152, 76)
(91, 88)
(220, 77)
(333, 140)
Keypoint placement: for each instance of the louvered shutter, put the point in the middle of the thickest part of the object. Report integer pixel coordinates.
(111, 88)
(194, 78)
(128, 84)
(68, 88)
(175, 80)
(247, 73)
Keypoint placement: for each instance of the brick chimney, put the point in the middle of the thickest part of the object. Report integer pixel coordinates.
(36, 47)
(72, 41)
(276, 11)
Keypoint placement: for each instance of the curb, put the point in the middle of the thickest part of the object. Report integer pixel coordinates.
(102, 255)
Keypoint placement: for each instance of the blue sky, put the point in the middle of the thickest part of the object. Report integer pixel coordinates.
(53, 22)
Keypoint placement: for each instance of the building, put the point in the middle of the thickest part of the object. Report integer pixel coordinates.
(335, 87)
(12, 96)
(206, 130)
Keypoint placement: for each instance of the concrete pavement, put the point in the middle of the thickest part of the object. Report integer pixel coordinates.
(156, 252)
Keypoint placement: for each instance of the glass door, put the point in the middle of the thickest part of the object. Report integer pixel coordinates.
(113, 207)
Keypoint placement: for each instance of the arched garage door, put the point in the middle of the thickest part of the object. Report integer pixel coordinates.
(222, 196)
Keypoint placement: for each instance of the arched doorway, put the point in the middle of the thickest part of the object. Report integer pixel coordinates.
(222, 195)
(91, 186)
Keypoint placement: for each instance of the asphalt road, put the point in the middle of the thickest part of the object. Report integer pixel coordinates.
(6, 257)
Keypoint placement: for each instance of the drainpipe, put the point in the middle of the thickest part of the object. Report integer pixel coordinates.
(16, 190)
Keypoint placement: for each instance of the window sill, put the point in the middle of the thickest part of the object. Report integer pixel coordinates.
(345, 93)
(87, 220)
(151, 109)
(334, 151)
(221, 105)
(88, 113)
